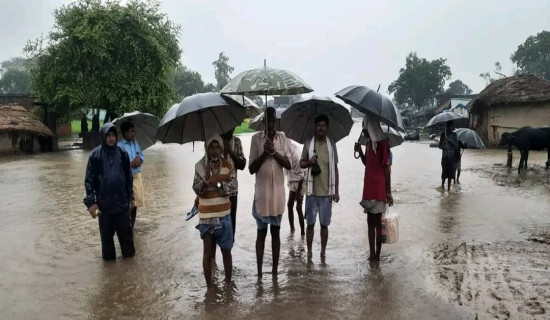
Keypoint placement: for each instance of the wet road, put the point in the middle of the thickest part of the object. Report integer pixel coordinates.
(51, 267)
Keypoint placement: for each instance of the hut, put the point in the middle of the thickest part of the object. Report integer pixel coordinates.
(509, 104)
(21, 131)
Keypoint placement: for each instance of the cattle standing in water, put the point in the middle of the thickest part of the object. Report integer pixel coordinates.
(525, 139)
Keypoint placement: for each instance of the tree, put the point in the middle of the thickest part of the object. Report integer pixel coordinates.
(209, 87)
(487, 75)
(533, 56)
(187, 82)
(458, 87)
(420, 81)
(222, 70)
(118, 56)
(15, 76)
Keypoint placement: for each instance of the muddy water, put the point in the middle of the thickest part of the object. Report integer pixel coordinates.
(51, 267)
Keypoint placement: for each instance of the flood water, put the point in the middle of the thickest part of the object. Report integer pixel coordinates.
(460, 255)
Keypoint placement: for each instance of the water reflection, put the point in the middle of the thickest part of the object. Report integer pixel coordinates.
(52, 255)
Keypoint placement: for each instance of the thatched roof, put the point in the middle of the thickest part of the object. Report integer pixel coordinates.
(17, 118)
(515, 90)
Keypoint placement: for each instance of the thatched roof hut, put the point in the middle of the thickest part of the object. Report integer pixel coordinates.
(509, 104)
(516, 90)
(17, 118)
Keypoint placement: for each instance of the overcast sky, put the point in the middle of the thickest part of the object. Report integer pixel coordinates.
(330, 44)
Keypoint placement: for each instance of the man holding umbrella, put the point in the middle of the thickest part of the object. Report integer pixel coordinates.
(321, 157)
(213, 183)
(269, 152)
(129, 144)
(450, 147)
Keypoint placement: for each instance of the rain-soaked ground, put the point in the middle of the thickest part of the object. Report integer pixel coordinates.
(480, 251)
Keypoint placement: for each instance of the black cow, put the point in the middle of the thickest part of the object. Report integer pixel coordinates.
(525, 139)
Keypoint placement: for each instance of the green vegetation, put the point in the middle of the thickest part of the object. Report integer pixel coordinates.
(420, 81)
(532, 56)
(243, 128)
(458, 87)
(75, 126)
(116, 55)
(15, 76)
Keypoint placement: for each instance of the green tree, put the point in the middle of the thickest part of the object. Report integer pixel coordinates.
(15, 76)
(458, 87)
(533, 56)
(187, 82)
(209, 87)
(222, 70)
(420, 81)
(118, 56)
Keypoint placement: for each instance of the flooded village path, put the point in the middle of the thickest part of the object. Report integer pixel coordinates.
(480, 250)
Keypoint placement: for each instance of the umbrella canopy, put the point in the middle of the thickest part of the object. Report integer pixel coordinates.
(470, 138)
(267, 81)
(369, 101)
(394, 137)
(258, 123)
(444, 117)
(252, 108)
(298, 121)
(145, 124)
(200, 116)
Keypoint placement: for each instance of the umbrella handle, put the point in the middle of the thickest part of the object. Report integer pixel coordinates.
(356, 154)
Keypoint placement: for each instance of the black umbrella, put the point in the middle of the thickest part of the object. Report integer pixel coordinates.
(145, 124)
(370, 101)
(445, 117)
(200, 116)
(298, 121)
(395, 138)
(470, 138)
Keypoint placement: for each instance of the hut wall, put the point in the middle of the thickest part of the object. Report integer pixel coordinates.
(502, 119)
(12, 142)
(6, 143)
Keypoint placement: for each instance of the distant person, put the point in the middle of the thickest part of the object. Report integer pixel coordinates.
(450, 147)
(84, 124)
(233, 152)
(95, 123)
(296, 188)
(377, 181)
(213, 183)
(109, 189)
(322, 186)
(269, 152)
(129, 144)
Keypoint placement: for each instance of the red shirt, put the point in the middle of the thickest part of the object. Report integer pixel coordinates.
(374, 187)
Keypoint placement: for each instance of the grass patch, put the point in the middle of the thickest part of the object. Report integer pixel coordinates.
(75, 126)
(243, 128)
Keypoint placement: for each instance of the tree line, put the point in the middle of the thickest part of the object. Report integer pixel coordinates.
(125, 56)
(111, 55)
